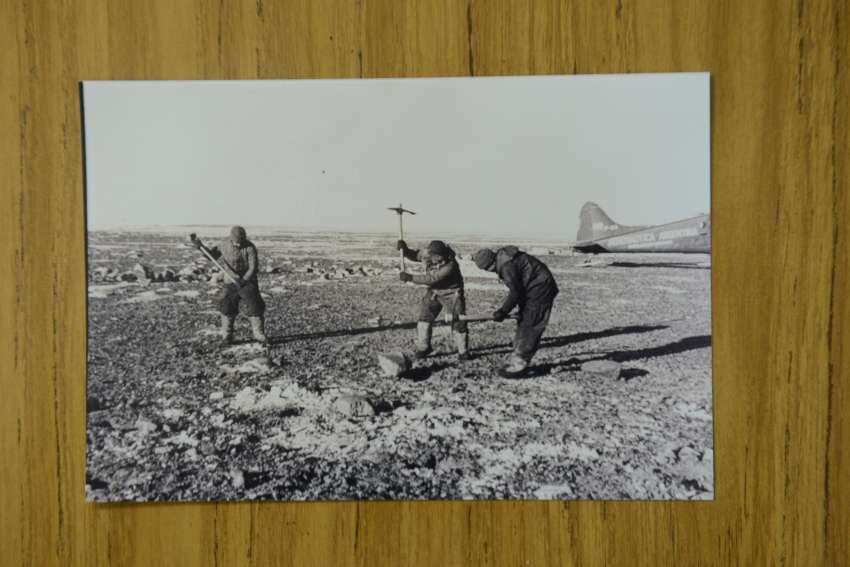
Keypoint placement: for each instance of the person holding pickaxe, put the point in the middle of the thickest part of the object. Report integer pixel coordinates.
(238, 260)
(444, 281)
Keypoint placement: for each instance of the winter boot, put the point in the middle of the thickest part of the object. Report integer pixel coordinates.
(461, 341)
(257, 328)
(515, 367)
(227, 329)
(423, 339)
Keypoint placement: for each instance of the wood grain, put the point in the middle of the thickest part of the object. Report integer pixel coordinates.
(781, 265)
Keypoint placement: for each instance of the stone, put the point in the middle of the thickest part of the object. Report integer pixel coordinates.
(602, 368)
(144, 271)
(394, 364)
(354, 406)
(237, 478)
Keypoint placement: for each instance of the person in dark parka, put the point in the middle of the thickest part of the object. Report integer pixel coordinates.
(240, 255)
(445, 289)
(532, 288)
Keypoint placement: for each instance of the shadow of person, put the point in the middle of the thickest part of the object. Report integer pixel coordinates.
(553, 342)
(626, 355)
(422, 373)
(279, 340)
(673, 265)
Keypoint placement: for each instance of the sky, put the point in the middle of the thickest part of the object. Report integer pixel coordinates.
(512, 156)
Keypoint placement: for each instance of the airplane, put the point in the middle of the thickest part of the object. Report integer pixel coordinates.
(597, 233)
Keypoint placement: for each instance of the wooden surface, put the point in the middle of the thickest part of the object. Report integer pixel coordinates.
(781, 213)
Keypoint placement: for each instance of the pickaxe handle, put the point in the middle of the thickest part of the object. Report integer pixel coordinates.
(449, 318)
(400, 210)
(227, 270)
(401, 237)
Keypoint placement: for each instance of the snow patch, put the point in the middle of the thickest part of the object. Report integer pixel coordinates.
(104, 291)
(188, 293)
(144, 297)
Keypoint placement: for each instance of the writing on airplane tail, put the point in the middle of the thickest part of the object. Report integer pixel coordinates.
(598, 233)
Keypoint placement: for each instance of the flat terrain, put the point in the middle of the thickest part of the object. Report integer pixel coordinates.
(173, 416)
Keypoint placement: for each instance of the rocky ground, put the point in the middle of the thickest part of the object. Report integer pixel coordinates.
(172, 416)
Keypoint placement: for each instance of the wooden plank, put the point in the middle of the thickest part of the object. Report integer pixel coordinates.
(780, 205)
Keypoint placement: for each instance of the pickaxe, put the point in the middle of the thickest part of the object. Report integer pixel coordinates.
(223, 266)
(400, 211)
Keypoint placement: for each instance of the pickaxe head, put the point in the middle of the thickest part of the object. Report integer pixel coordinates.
(400, 210)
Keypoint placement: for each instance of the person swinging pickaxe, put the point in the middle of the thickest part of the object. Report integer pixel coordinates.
(400, 210)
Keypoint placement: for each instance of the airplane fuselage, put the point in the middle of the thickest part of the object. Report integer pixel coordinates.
(686, 236)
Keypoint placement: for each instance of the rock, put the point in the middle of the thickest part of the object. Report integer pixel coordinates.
(169, 276)
(128, 277)
(145, 281)
(394, 364)
(217, 395)
(353, 406)
(93, 404)
(144, 426)
(237, 478)
(602, 368)
(375, 322)
(143, 271)
(427, 460)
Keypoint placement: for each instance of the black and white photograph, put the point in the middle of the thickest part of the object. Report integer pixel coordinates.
(399, 289)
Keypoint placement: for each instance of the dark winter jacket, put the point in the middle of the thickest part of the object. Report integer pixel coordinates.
(528, 279)
(242, 259)
(442, 276)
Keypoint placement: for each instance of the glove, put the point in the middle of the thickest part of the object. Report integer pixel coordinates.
(499, 315)
(405, 277)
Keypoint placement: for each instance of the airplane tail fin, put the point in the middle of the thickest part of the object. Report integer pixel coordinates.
(594, 223)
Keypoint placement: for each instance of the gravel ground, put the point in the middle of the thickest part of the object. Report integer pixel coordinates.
(174, 416)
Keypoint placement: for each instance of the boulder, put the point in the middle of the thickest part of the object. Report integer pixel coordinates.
(394, 364)
(353, 406)
(143, 270)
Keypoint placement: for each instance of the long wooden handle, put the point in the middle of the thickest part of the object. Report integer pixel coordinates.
(401, 236)
(227, 270)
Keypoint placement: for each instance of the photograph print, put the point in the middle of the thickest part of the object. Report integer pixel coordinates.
(399, 289)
